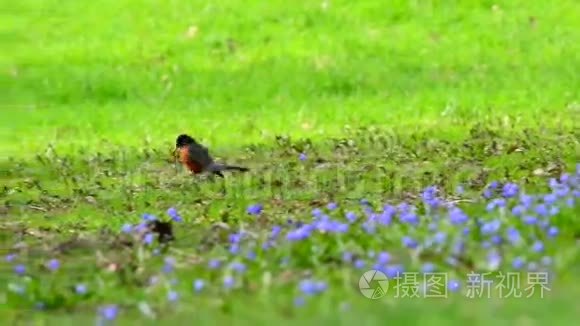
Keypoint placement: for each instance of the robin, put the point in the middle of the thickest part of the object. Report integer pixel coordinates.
(196, 158)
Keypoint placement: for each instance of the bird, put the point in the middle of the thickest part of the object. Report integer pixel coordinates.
(196, 158)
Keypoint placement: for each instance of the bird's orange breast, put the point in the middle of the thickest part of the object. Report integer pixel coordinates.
(187, 161)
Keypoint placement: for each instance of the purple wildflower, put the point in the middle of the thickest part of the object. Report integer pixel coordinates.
(169, 265)
(172, 212)
(198, 285)
(393, 271)
(454, 285)
(351, 217)
(552, 231)
(510, 190)
(546, 260)
(20, 269)
(214, 264)
(347, 256)
(53, 264)
(332, 206)
(359, 264)
(229, 282)
(513, 236)
(491, 227)
(238, 267)
(148, 217)
(409, 218)
(302, 157)
(384, 258)
(299, 301)
(428, 268)
(550, 199)
(494, 259)
(126, 228)
(518, 263)
(172, 296)
(80, 289)
(409, 242)
(10, 258)
(148, 238)
(538, 246)
(310, 287)
(542, 210)
(109, 312)
(457, 216)
(518, 210)
(530, 220)
(254, 209)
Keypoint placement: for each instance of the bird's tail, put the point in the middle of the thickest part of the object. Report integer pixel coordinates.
(224, 167)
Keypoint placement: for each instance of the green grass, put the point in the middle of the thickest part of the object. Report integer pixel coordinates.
(384, 98)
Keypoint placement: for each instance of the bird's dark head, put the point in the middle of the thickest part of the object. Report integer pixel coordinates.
(184, 140)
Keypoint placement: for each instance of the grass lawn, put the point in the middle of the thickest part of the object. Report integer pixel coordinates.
(400, 136)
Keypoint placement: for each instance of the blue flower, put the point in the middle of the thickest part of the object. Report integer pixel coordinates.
(229, 282)
(491, 227)
(234, 248)
(552, 231)
(126, 228)
(80, 289)
(542, 210)
(254, 209)
(526, 200)
(347, 256)
(546, 261)
(198, 285)
(169, 265)
(457, 216)
(172, 212)
(454, 285)
(238, 267)
(494, 259)
(410, 218)
(302, 157)
(532, 266)
(149, 217)
(409, 242)
(310, 287)
(235, 237)
(428, 268)
(299, 301)
(148, 238)
(299, 234)
(359, 264)
(275, 231)
(530, 220)
(332, 206)
(384, 258)
(513, 236)
(538, 246)
(550, 199)
(172, 296)
(351, 217)
(518, 210)
(393, 271)
(214, 264)
(440, 237)
(53, 264)
(109, 312)
(317, 212)
(510, 190)
(518, 263)
(459, 190)
(10, 258)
